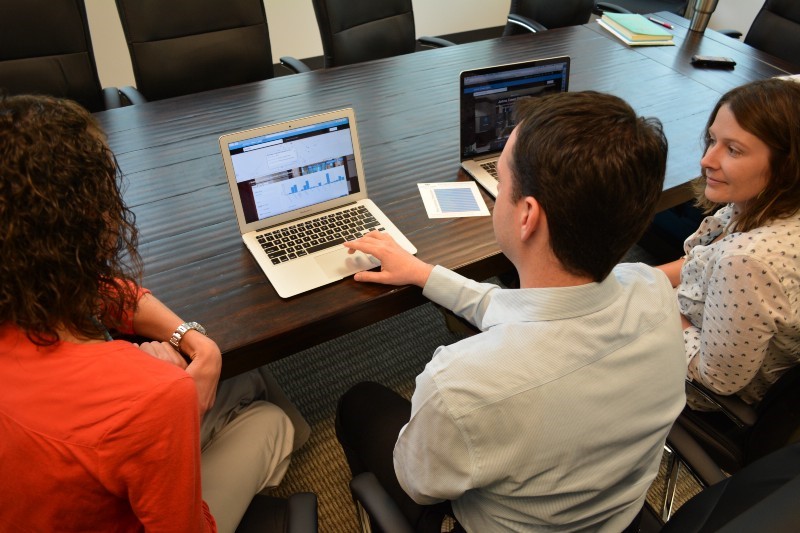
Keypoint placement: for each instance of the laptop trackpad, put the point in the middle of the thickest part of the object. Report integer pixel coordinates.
(339, 264)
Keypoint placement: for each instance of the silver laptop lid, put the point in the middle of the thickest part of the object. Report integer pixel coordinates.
(487, 97)
(293, 169)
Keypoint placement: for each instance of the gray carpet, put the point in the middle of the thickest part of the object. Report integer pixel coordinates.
(391, 352)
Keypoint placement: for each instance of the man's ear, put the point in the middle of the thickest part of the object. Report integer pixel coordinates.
(530, 216)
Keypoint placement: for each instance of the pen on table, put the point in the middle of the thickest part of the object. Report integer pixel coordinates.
(660, 22)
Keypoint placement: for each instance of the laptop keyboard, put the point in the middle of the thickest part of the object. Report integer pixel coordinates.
(317, 234)
(490, 167)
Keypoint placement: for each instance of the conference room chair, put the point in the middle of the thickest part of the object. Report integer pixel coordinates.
(738, 433)
(533, 16)
(356, 31)
(775, 30)
(644, 6)
(267, 514)
(188, 46)
(45, 48)
(760, 497)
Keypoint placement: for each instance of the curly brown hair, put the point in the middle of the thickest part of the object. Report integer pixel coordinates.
(67, 240)
(770, 110)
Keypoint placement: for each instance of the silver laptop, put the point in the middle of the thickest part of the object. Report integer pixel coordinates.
(299, 192)
(487, 97)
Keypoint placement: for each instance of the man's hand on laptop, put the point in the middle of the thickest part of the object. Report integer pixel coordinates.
(398, 267)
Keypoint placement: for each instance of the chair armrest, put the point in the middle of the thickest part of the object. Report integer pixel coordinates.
(111, 98)
(735, 34)
(132, 96)
(778, 512)
(600, 7)
(525, 22)
(436, 42)
(294, 64)
(694, 456)
(302, 513)
(380, 507)
(737, 410)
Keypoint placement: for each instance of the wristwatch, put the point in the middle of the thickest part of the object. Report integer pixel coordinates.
(175, 340)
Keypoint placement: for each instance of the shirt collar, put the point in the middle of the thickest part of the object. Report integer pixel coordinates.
(536, 305)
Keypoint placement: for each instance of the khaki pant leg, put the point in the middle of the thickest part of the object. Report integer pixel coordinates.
(251, 452)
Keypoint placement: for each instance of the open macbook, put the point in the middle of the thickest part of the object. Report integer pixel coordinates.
(487, 97)
(299, 192)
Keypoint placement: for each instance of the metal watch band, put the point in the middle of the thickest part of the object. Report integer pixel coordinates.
(175, 340)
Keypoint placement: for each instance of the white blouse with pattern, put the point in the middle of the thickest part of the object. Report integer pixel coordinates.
(741, 292)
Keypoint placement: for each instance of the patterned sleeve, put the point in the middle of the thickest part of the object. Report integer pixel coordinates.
(745, 300)
(691, 340)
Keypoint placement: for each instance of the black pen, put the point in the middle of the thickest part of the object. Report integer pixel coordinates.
(660, 22)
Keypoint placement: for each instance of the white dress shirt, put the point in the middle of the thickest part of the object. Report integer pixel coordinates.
(555, 416)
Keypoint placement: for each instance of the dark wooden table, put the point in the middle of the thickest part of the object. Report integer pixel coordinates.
(407, 108)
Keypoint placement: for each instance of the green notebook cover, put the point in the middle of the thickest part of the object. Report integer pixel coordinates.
(634, 25)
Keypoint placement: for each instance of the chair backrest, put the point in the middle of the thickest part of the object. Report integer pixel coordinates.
(652, 6)
(361, 30)
(776, 30)
(181, 47)
(550, 14)
(760, 497)
(45, 48)
(778, 421)
(775, 424)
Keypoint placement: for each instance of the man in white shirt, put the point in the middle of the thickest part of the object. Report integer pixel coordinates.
(555, 415)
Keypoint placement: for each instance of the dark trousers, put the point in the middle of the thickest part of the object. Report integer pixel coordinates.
(368, 420)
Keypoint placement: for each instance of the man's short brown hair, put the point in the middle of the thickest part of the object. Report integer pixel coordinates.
(596, 169)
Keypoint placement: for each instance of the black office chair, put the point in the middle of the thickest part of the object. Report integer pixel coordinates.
(353, 32)
(775, 30)
(760, 497)
(266, 514)
(643, 6)
(45, 48)
(739, 434)
(531, 16)
(187, 46)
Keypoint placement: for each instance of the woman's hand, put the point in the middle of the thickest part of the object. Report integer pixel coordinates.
(155, 320)
(163, 351)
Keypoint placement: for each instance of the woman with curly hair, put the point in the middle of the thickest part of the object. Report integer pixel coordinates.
(101, 434)
(738, 285)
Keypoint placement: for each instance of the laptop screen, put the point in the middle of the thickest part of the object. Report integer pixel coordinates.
(283, 171)
(488, 96)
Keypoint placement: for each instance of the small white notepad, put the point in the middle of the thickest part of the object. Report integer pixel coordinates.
(452, 200)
